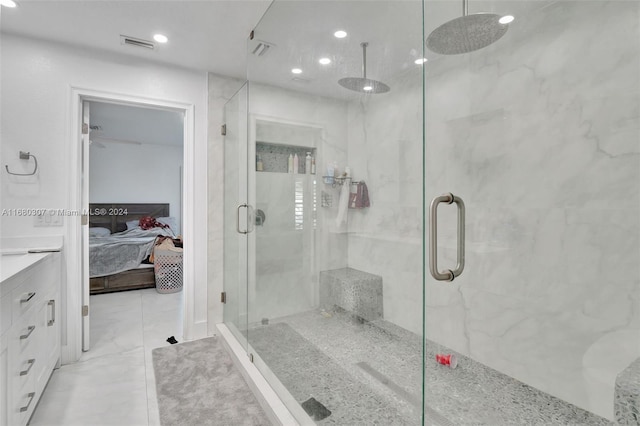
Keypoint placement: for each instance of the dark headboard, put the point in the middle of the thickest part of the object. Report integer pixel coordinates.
(114, 216)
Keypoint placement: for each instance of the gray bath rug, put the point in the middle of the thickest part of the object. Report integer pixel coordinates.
(197, 384)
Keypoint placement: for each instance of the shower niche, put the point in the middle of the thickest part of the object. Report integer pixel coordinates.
(274, 157)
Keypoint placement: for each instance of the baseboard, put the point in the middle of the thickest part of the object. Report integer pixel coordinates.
(275, 409)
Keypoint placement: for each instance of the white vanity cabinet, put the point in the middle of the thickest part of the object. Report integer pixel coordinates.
(30, 337)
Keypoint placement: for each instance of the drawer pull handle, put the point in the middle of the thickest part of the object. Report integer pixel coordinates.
(30, 395)
(30, 362)
(52, 321)
(29, 297)
(29, 331)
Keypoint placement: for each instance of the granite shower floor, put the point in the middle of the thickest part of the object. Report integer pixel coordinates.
(370, 373)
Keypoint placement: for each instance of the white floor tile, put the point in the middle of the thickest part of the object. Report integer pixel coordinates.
(114, 383)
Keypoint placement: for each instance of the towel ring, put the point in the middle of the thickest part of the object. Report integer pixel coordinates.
(24, 156)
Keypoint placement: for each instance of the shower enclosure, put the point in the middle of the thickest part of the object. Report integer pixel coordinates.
(523, 155)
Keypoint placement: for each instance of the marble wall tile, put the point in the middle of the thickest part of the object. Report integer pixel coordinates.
(544, 150)
(538, 133)
(220, 91)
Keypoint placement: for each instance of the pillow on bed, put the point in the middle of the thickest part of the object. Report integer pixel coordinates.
(133, 224)
(99, 232)
(171, 221)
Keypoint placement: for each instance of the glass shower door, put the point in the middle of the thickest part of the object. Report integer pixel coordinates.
(235, 214)
(335, 276)
(537, 134)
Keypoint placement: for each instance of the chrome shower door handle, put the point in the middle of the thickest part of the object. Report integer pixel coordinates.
(238, 219)
(448, 274)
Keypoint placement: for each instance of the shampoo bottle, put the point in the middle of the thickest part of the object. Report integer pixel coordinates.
(313, 165)
(329, 176)
(296, 164)
(290, 164)
(307, 163)
(258, 163)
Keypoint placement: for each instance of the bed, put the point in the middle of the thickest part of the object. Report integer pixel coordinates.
(116, 254)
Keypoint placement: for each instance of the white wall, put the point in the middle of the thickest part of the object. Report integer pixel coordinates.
(37, 82)
(123, 173)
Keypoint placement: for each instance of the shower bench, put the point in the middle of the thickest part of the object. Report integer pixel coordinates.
(352, 290)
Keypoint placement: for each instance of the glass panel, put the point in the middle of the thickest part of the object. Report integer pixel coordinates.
(538, 134)
(335, 293)
(235, 193)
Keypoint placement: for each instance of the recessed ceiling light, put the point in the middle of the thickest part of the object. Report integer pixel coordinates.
(296, 70)
(506, 19)
(8, 3)
(325, 61)
(160, 38)
(367, 88)
(420, 61)
(340, 34)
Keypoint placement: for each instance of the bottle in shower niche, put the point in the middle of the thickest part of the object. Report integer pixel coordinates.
(296, 164)
(313, 165)
(307, 163)
(290, 164)
(328, 178)
(259, 166)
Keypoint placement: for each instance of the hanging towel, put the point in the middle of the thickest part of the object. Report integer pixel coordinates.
(360, 199)
(343, 204)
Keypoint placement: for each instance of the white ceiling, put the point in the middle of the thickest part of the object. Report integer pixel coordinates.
(207, 35)
(212, 35)
(135, 125)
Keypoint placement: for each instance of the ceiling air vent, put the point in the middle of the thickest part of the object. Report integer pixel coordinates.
(261, 48)
(132, 41)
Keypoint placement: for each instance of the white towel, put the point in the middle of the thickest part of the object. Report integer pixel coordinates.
(343, 204)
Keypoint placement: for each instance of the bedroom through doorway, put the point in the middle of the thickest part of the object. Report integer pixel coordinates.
(135, 183)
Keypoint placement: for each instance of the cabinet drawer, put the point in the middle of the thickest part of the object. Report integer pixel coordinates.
(25, 366)
(35, 283)
(24, 334)
(24, 401)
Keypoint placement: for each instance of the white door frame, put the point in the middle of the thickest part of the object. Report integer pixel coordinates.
(72, 344)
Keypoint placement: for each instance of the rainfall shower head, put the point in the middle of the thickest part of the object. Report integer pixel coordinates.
(363, 84)
(467, 33)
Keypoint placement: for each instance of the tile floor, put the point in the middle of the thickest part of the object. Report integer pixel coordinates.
(113, 383)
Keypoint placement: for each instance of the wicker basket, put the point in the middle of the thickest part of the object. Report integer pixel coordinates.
(167, 265)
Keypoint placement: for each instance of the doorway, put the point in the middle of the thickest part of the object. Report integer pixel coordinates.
(77, 294)
(135, 170)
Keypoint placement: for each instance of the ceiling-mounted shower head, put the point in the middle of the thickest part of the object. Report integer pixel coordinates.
(363, 84)
(467, 33)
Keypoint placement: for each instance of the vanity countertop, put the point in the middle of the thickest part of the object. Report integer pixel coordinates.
(10, 265)
(18, 254)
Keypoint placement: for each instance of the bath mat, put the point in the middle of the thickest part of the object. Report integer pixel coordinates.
(197, 384)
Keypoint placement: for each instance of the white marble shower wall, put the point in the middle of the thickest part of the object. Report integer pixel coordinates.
(385, 151)
(538, 134)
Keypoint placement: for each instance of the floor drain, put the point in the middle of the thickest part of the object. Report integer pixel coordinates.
(315, 409)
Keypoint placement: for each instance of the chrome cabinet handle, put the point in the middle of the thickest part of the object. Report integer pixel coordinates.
(29, 331)
(30, 395)
(29, 297)
(238, 219)
(52, 321)
(30, 362)
(448, 274)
